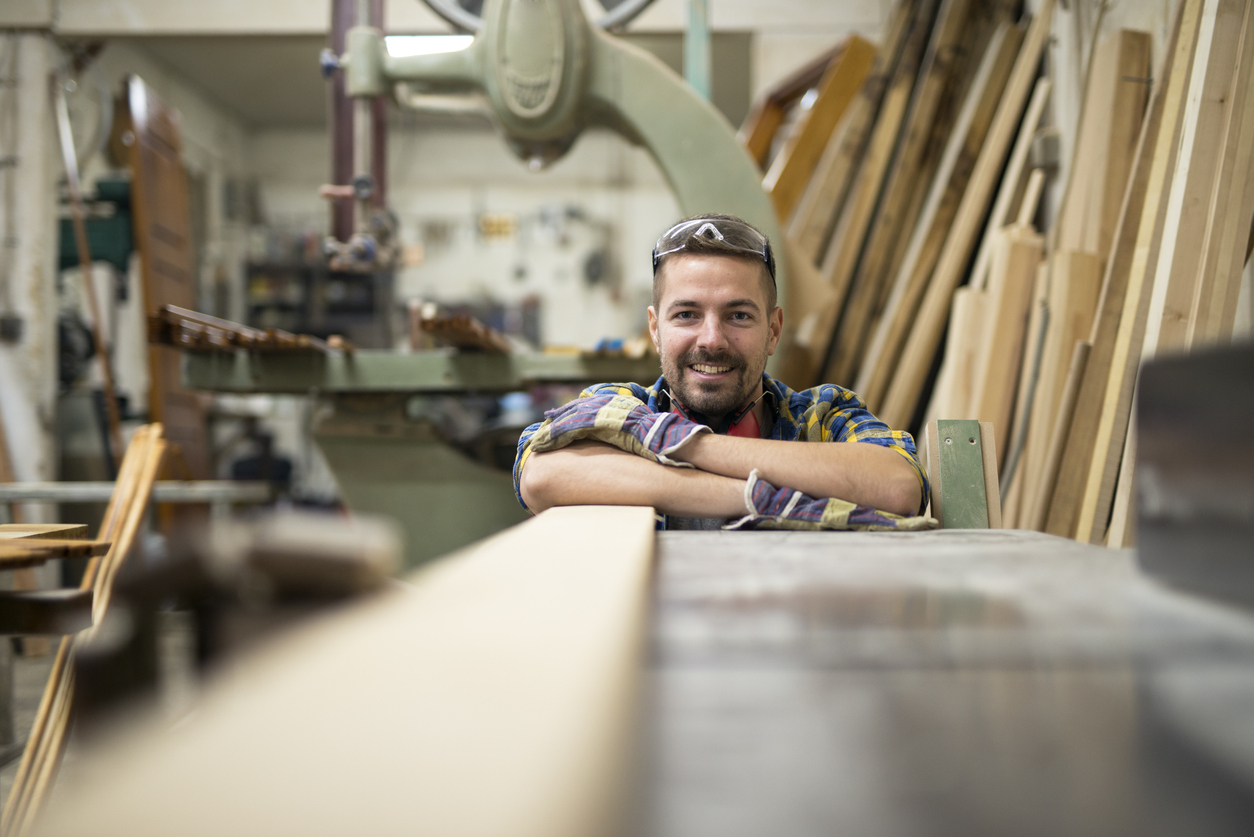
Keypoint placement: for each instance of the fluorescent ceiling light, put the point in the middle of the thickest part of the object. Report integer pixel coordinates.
(402, 46)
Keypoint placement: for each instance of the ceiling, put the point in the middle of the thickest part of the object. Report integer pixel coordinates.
(274, 82)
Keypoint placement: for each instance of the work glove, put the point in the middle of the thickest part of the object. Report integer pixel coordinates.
(618, 420)
(786, 508)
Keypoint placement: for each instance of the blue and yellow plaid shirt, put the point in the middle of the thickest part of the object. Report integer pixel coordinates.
(826, 413)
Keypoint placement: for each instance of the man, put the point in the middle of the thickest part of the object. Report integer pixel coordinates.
(714, 322)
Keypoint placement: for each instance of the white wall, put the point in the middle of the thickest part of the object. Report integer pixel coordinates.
(28, 367)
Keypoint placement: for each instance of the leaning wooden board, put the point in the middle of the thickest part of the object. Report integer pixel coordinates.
(500, 702)
(941, 66)
(924, 337)
(1116, 393)
(1068, 490)
(938, 212)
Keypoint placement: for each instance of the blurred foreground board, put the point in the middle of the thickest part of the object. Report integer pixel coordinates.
(493, 697)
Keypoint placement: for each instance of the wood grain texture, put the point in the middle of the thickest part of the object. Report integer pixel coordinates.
(938, 75)
(924, 337)
(792, 167)
(1016, 257)
(1116, 394)
(1042, 493)
(1078, 450)
(816, 214)
(501, 680)
(1009, 199)
(1076, 281)
(939, 210)
(855, 218)
(1231, 210)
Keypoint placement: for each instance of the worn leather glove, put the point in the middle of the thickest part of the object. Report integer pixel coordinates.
(785, 508)
(618, 420)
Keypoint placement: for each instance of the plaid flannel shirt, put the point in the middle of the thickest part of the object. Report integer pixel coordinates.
(826, 413)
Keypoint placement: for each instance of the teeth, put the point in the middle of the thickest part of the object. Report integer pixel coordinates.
(710, 370)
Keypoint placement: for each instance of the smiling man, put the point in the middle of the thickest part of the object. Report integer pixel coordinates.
(716, 442)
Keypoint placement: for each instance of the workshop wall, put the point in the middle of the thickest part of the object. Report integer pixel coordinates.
(489, 228)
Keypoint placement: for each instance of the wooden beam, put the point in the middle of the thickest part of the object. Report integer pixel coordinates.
(938, 76)
(1016, 257)
(938, 213)
(757, 132)
(503, 681)
(1158, 131)
(1231, 210)
(794, 164)
(1116, 398)
(1043, 493)
(924, 337)
(816, 213)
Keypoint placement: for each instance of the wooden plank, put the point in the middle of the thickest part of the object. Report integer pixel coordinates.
(961, 466)
(792, 167)
(819, 208)
(1016, 257)
(1114, 106)
(1043, 493)
(1014, 181)
(939, 210)
(1193, 185)
(504, 681)
(1076, 284)
(1038, 318)
(941, 66)
(1122, 532)
(163, 239)
(1116, 398)
(757, 132)
(1232, 210)
(988, 459)
(856, 214)
(1078, 450)
(920, 347)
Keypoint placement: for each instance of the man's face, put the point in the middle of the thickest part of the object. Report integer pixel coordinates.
(713, 331)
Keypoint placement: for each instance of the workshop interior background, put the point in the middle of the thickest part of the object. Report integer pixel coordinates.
(554, 258)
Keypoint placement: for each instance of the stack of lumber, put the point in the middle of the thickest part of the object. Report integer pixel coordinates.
(917, 222)
(462, 331)
(123, 519)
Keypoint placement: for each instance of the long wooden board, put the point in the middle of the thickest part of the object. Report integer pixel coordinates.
(942, 203)
(1017, 255)
(794, 164)
(1232, 209)
(494, 696)
(1078, 450)
(816, 213)
(856, 215)
(941, 65)
(924, 337)
(1116, 393)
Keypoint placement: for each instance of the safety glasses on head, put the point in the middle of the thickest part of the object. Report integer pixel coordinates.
(723, 233)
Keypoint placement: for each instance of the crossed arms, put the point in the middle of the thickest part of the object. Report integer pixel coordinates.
(592, 473)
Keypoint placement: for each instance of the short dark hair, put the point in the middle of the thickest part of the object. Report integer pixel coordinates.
(731, 246)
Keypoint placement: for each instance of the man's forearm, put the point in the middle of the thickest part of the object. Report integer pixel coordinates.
(860, 472)
(591, 473)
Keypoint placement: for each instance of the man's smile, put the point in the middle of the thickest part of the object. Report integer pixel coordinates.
(710, 369)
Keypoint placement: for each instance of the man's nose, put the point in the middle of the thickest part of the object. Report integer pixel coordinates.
(712, 334)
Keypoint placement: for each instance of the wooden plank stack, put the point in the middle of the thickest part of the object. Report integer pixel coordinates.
(918, 221)
(123, 519)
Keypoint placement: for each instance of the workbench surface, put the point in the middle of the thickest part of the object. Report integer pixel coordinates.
(950, 682)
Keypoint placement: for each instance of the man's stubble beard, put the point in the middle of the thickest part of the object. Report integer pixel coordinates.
(714, 401)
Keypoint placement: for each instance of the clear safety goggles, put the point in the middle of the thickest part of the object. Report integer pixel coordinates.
(736, 237)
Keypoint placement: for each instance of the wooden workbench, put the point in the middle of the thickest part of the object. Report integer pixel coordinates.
(938, 683)
(950, 682)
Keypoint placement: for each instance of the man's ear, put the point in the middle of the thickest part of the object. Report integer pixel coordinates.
(653, 330)
(776, 322)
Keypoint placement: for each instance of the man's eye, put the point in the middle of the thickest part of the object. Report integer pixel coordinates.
(742, 316)
(685, 315)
